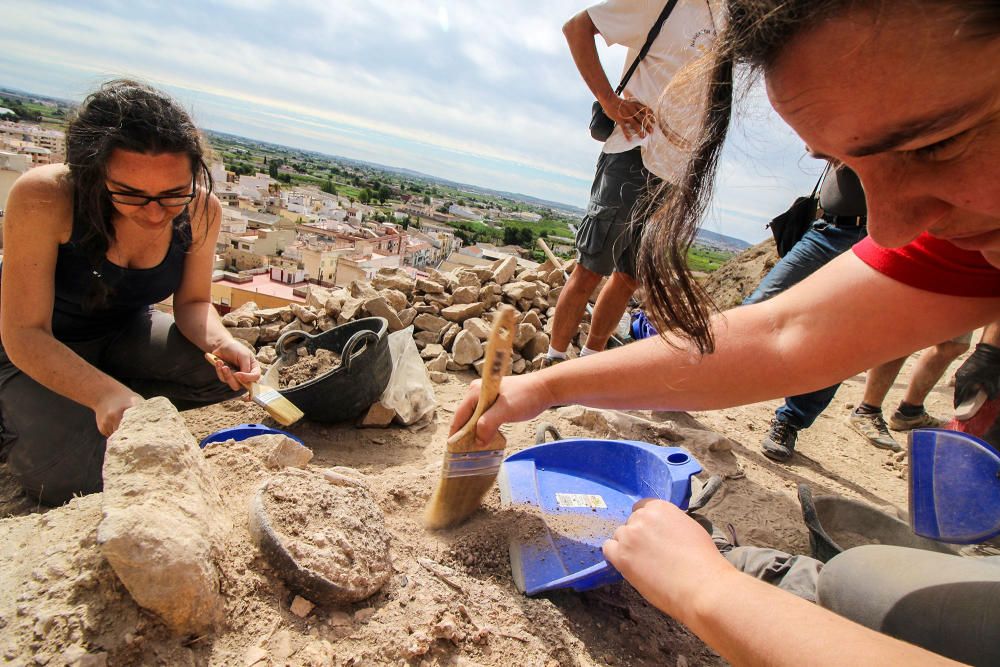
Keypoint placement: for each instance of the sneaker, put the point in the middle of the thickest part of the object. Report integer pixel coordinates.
(900, 422)
(550, 361)
(779, 445)
(874, 429)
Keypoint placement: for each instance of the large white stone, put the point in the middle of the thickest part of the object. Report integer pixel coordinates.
(428, 322)
(478, 327)
(162, 515)
(378, 307)
(462, 312)
(467, 348)
(504, 270)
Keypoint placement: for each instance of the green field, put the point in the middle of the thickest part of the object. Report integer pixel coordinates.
(705, 259)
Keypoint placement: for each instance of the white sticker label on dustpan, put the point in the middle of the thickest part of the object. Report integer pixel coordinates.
(580, 500)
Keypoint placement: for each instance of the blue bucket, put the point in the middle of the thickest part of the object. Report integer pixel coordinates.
(581, 491)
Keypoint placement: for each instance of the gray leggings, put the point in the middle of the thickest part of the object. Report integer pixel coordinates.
(52, 444)
(947, 604)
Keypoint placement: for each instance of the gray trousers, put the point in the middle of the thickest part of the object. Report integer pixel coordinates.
(51, 443)
(949, 605)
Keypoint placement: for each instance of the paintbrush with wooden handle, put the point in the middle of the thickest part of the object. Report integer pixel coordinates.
(469, 469)
(283, 410)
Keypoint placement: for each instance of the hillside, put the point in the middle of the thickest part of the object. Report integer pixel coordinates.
(736, 279)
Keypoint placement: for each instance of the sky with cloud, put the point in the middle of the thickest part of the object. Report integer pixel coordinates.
(477, 91)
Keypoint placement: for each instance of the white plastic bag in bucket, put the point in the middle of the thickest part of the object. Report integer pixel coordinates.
(410, 391)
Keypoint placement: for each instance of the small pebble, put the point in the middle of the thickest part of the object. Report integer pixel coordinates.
(301, 607)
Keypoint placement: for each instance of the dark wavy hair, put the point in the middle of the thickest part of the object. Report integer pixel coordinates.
(756, 33)
(135, 117)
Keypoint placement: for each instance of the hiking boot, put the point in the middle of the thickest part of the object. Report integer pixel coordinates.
(550, 361)
(900, 422)
(779, 445)
(873, 428)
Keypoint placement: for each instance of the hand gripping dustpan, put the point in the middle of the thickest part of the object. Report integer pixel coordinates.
(954, 486)
(574, 494)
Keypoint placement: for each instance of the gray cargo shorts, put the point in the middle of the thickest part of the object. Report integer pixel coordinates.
(609, 236)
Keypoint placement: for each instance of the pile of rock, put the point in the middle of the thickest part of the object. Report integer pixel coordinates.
(450, 313)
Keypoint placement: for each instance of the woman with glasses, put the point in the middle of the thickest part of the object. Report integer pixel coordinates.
(89, 247)
(907, 94)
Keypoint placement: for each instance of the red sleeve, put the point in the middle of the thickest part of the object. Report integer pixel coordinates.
(933, 265)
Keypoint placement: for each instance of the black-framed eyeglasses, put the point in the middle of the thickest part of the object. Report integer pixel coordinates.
(166, 201)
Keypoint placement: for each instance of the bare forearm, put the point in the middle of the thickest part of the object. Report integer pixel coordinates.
(200, 324)
(58, 368)
(747, 621)
(756, 358)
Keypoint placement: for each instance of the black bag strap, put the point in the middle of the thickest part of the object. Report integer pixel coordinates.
(826, 170)
(653, 32)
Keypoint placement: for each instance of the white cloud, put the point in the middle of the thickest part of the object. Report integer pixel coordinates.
(480, 91)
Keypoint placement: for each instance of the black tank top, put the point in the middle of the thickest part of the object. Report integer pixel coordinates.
(132, 291)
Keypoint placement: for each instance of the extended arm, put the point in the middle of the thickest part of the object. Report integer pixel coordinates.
(801, 340)
(194, 313)
(673, 563)
(632, 115)
(38, 216)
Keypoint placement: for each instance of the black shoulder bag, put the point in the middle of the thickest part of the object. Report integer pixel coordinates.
(601, 126)
(789, 227)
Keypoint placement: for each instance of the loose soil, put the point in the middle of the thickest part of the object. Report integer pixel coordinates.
(334, 530)
(450, 599)
(307, 368)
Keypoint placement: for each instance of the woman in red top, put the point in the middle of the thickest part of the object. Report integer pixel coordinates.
(907, 94)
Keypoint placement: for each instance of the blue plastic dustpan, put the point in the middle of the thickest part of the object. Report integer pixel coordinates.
(576, 493)
(242, 432)
(954, 487)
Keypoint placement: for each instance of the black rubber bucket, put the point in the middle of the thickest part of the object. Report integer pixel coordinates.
(836, 524)
(347, 391)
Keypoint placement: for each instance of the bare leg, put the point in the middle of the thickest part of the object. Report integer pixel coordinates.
(880, 380)
(929, 368)
(571, 306)
(867, 419)
(611, 304)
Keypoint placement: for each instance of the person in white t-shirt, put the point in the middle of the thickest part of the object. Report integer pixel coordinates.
(656, 117)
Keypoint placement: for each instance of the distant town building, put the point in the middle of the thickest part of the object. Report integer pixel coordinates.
(12, 165)
(43, 146)
(231, 290)
(463, 212)
(527, 216)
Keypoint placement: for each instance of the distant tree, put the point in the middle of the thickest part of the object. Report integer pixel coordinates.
(461, 202)
(365, 196)
(383, 194)
(527, 237)
(510, 236)
(272, 169)
(406, 223)
(427, 200)
(328, 187)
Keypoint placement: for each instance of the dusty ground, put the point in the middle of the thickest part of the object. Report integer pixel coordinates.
(451, 599)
